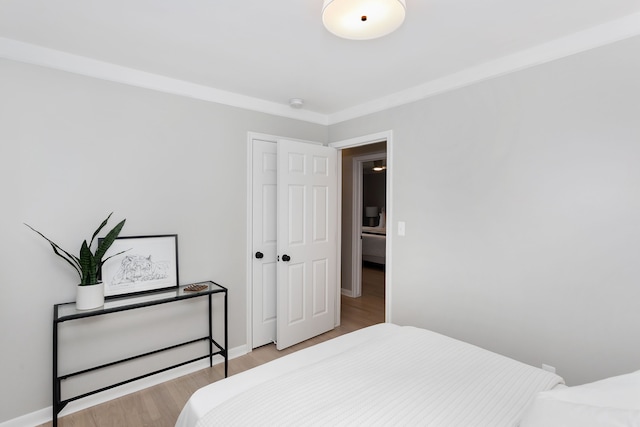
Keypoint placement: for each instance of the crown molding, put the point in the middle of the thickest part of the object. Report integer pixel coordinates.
(594, 37)
(591, 38)
(51, 58)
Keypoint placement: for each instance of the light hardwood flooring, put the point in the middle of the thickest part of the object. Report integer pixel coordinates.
(160, 405)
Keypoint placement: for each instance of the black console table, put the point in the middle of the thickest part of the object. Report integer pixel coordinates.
(68, 311)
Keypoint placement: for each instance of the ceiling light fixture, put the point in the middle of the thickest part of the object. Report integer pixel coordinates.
(363, 19)
(378, 166)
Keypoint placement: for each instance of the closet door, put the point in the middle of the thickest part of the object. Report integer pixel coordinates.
(306, 240)
(264, 223)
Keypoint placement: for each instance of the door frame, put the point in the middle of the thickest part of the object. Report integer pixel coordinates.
(356, 220)
(356, 142)
(339, 145)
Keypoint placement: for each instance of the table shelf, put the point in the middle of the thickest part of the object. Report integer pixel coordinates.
(68, 312)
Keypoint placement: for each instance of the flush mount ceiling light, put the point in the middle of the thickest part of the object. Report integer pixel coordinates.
(362, 19)
(378, 166)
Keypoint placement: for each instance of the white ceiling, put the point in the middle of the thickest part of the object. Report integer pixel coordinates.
(270, 51)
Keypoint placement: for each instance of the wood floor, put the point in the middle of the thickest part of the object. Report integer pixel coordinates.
(159, 406)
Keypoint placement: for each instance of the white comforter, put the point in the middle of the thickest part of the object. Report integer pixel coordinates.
(410, 377)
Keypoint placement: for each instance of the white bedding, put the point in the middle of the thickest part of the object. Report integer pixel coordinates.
(374, 246)
(385, 374)
(214, 394)
(374, 230)
(612, 402)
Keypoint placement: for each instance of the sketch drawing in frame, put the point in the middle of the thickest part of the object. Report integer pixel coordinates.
(148, 263)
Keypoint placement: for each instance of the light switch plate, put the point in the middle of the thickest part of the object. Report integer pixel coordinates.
(401, 228)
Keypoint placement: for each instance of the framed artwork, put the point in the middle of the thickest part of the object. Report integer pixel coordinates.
(147, 263)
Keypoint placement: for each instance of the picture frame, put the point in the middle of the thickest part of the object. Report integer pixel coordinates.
(142, 264)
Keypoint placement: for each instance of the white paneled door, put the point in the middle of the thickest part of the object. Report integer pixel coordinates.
(264, 242)
(306, 241)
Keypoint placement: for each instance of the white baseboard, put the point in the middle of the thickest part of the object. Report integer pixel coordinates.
(46, 414)
(345, 292)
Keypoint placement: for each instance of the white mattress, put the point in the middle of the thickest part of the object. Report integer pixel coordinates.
(382, 374)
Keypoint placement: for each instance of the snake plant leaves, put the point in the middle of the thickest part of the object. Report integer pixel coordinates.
(100, 228)
(87, 265)
(71, 259)
(106, 243)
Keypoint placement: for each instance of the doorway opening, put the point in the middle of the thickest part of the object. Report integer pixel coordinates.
(364, 206)
(350, 247)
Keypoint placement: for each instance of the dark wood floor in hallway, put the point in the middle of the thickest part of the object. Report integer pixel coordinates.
(159, 406)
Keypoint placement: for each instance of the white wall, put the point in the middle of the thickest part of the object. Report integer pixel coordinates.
(521, 197)
(74, 149)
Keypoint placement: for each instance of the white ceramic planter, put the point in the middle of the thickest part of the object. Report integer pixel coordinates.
(90, 296)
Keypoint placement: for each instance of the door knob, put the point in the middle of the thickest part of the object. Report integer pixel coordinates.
(286, 258)
(259, 255)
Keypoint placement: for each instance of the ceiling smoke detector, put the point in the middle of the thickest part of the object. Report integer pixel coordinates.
(296, 102)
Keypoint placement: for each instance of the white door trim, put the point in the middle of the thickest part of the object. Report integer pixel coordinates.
(365, 140)
(356, 219)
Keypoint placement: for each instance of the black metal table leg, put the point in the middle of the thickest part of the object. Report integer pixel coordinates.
(56, 381)
(226, 335)
(210, 335)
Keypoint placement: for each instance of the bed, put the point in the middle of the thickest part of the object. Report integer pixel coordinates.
(381, 375)
(374, 244)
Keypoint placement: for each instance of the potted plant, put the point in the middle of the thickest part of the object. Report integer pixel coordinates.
(90, 291)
